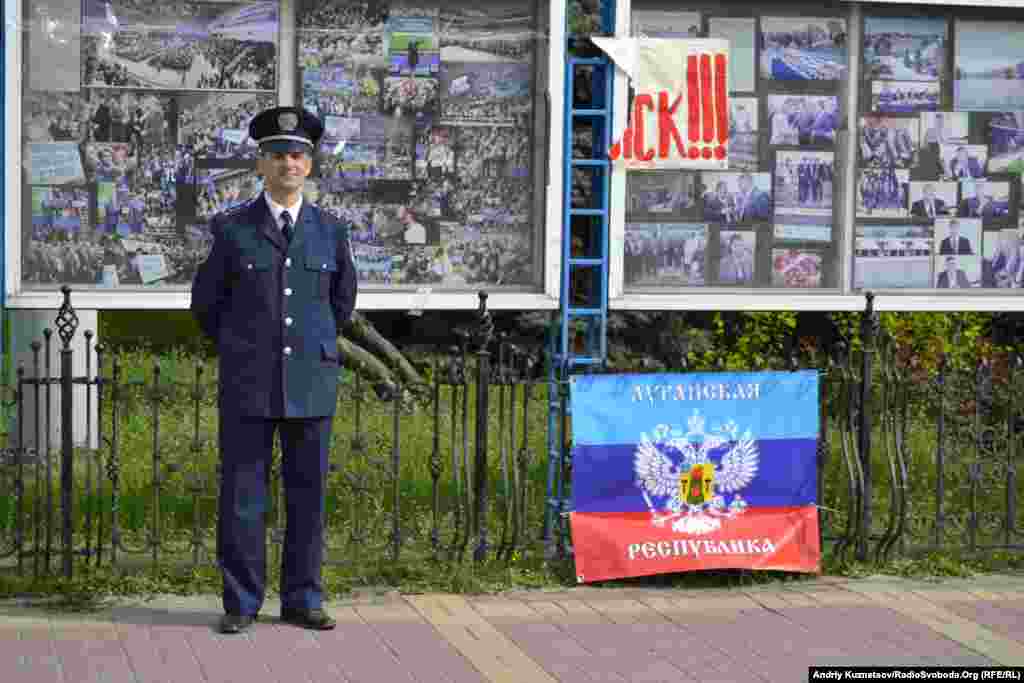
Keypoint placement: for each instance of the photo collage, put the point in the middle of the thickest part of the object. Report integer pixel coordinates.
(940, 155)
(122, 171)
(429, 136)
(428, 144)
(767, 221)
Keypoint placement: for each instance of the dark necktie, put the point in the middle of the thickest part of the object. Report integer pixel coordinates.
(286, 219)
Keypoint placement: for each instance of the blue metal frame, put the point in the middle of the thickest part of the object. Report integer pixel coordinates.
(564, 358)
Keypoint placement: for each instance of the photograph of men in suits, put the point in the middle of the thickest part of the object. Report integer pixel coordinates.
(954, 242)
(961, 161)
(736, 266)
(953, 277)
(751, 203)
(929, 206)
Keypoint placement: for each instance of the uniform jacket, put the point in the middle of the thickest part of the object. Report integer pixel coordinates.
(274, 310)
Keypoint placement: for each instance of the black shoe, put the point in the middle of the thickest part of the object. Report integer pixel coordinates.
(236, 623)
(316, 619)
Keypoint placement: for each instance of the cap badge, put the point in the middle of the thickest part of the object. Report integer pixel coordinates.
(288, 121)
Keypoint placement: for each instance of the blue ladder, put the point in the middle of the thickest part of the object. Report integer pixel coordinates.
(579, 338)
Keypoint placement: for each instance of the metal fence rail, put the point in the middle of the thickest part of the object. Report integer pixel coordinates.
(908, 460)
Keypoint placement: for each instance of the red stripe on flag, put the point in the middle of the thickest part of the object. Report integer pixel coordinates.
(706, 98)
(692, 101)
(613, 545)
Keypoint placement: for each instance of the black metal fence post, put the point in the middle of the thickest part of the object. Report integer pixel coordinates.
(484, 332)
(868, 328)
(67, 323)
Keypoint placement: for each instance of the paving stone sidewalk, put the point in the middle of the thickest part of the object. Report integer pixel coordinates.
(761, 634)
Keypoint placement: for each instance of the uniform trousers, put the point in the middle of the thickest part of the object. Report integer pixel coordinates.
(246, 447)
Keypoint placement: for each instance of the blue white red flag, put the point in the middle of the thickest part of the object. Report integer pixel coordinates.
(678, 472)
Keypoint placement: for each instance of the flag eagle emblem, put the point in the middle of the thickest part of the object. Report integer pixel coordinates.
(692, 471)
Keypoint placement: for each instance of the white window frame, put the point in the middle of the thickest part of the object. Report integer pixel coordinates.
(546, 297)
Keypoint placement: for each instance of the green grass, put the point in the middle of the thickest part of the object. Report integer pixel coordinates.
(361, 498)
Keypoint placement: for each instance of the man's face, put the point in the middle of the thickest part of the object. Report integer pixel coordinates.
(951, 265)
(929, 192)
(954, 231)
(284, 171)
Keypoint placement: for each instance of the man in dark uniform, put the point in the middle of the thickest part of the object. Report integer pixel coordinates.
(274, 293)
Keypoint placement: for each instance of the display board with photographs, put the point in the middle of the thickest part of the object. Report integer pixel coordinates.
(144, 142)
(939, 172)
(429, 109)
(428, 148)
(768, 220)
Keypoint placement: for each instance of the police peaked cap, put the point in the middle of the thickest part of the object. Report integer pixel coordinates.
(286, 129)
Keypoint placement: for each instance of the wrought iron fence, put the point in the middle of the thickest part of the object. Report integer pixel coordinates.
(908, 459)
(461, 485)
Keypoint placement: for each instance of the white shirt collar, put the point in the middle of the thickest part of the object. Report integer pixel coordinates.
(276, 209)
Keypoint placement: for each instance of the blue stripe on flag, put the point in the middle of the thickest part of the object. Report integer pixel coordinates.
(604, 477)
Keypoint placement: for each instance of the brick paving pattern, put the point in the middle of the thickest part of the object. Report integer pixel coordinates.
(761, 635)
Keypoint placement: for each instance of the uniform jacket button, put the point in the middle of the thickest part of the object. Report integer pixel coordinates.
(288, 263)
(288, 291)
(287, 350)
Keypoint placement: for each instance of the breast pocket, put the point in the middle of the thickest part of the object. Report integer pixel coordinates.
(254, 262)
(322, 267)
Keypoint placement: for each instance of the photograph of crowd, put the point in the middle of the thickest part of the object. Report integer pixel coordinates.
(743, 133)
(341, 128)
(803, 119)
(360, 94)
(944, 128)
(56, 117)
(989, 201)
(493, 93)
(893, 257)
(409, 95)
(796, 268)
(730, 198)
(803, 182)
(989, 66)
(963, 161)
(226, 190)
(892, 97)
(883, 193)
(59, 209)
(665, 253)
(659, 194)
(1002, 265)
(435, 152)
(110, 161)
(216, 125)
(736, 257)
(1006, 142)
(361, 46)
(740, 32)
(889, 141)
(181, 46)
(472, 32)
(655, 23)
(487, 258)
(904, 48)
(373, 264)
(353, 16)
(138, 118)
(803, 49)
(929, 199)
